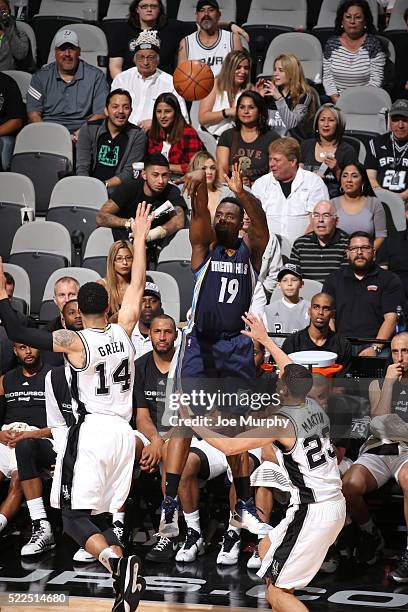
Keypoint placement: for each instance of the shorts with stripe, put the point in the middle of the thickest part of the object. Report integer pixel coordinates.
(298, 545)
(8, 463)
(215, 460)
(382, 467)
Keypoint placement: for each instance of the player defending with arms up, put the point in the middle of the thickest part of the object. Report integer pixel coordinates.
(94, 467)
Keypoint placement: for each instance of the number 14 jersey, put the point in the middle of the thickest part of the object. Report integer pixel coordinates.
(104, 385)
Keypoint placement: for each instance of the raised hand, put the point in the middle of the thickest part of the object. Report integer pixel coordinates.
(192, 181)
(257, 330)
(141, 223)
(235, 183)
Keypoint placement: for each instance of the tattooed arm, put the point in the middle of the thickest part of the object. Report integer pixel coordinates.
(70, 343)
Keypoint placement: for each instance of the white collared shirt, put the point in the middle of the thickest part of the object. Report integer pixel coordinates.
(145, 91)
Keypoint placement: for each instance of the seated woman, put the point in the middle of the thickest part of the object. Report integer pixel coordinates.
(216, 191)
(117, 279)
(217, 111)
(358, 208)
(249, 140)
(170, 135)
(289, 98)
(14, 44)
(326, 152)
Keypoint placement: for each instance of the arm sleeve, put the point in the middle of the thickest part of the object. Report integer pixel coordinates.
(136, 153)
(55, 420)
(16, 331)
(377, 64)
(101, 90)
(35, 94)
(292, 118)
(83, 151)
(380, 227)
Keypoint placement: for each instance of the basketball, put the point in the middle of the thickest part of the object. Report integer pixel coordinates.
(193, 80)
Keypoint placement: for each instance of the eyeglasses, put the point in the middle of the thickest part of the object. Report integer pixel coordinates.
(121, 259)
(144, 7)
(324, 216)
(364, 248)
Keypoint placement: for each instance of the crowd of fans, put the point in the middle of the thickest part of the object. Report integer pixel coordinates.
(294, 154)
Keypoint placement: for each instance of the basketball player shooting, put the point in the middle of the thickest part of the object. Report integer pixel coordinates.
(94, 467)
(225, 267)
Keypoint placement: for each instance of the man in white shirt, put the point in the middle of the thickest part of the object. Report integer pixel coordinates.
(145, 82)
(288, 193)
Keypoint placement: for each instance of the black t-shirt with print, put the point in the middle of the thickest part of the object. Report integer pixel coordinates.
(109, 154)
(253, 154)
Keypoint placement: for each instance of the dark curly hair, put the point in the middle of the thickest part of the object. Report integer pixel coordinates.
(344, 7)
(92, 299)
(262, 123)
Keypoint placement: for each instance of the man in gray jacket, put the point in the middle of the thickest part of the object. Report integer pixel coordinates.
(106, 148)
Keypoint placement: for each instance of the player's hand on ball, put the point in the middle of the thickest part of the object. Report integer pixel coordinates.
(257, 329)
(140, 225)
(192, 180)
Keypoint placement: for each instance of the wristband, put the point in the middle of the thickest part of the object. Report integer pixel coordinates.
(224, 113)
(157, 233)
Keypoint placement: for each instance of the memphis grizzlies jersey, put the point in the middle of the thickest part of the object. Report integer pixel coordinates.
(311, 465)
(104, 385)
(223, 291)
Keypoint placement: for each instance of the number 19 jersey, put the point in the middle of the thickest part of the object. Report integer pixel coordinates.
(224, 286)
(105, 384)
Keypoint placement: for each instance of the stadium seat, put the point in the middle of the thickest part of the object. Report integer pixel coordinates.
(397, 16)
(16, 191)
(306, 48)
(187, 10)
(23, 80)
(365, 109)
(169, 291)
(40, 248)
(175, 259)
(396, 207)
(309, 289)
(66, 8)
(22, 290)
(359, 147)
(328, 9)
(43, 152)
(75, 201)
(31, 61)
(49, 310)
(118, 9)
(179, 248)
(93, 43)
(289, 13)
(208, 141)
(97, 249)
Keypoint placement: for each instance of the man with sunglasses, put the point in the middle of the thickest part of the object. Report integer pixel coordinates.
(366, 296)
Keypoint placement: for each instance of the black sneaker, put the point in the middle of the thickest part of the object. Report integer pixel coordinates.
(118, 529)
(400, 574)
(369, 547)
(128, 585)
(163, 551)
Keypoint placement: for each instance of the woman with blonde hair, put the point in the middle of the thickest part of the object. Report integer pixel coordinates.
(118, 268)
(216, 191)
(290, 99)
(217, 111)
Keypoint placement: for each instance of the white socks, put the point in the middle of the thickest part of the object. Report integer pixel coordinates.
(193, 520)
(36, 509)
(3, 522)
(118, 516)
(105, 555)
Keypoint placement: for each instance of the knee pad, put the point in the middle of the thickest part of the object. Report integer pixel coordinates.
(78, 525)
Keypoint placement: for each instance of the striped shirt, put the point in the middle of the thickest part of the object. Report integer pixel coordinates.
(343, 68)
(317, 261)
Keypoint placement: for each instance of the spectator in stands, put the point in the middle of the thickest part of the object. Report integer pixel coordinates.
(290, 313)
(248, 141)
(357, 208)
(354, 55)
(68, 91)
(152, 187)
(387, 155)
(366, 296)
(288, 193)
(393, 255)
(14, 43)
(217, 111)
(171, 135)
(216, 192)
(12, 117)
(318, 336)
(289, 98)
(327, 152)
(65, 289)
(145, 82)
(118, 268)
(323, 250)
(107, 147)
(210, 44)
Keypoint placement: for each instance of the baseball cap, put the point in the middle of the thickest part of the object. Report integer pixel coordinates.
(400, 107)
(289, 269)
(152, 289)
(65, 37)
(202, 3)
(147, 39)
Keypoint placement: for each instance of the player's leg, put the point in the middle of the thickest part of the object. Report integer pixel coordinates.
(32, 455)
(282, 600)
(178, 448)
(189, 494)
(10, 506)
(367, 474)
(400, 573)
(264, 503)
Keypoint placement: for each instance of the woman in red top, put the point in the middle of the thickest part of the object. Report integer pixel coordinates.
(171, 135)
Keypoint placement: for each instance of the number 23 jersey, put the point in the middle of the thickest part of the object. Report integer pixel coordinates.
(311, 464)
(223, 292)
(104, 385)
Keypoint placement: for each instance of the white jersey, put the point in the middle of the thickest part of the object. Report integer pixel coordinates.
(285, 318)
(215, 55)
(311, 465)
(104, 385)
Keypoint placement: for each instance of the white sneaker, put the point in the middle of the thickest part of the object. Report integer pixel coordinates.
(254, 562)
(193, 547)
(42, 539)
(229, 552)
(246, 516)
(83, 556)
(169, 518)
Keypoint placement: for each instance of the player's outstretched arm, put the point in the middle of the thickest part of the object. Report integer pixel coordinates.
(132, 300)
(257, 331)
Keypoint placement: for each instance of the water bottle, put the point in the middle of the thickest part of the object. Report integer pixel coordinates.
(400, 325)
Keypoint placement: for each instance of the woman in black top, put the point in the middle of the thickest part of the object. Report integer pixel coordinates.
(327, 152)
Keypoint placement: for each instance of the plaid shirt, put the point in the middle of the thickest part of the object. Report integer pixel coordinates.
(180, 152)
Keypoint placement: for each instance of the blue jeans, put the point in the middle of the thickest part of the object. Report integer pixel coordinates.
(6, 151)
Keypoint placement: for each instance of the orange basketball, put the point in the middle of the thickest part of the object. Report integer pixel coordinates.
(193, 80)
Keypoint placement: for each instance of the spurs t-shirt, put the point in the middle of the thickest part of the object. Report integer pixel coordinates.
(389, 157)
(254, 155)
(109, 154)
